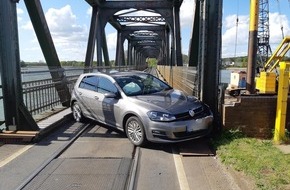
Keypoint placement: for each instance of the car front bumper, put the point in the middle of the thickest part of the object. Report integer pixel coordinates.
(178, 130)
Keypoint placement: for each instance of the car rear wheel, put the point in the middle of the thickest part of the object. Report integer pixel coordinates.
(77, 112)
(135, 131)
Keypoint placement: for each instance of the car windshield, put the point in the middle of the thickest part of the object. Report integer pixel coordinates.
(141, 84)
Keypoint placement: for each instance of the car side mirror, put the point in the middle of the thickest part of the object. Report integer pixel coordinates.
(111, 95)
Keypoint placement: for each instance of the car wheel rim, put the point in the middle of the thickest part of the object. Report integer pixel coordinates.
(77, 112)
(135, 131)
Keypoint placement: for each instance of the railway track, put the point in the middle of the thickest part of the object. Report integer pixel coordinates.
(86, 162)
(93, 156)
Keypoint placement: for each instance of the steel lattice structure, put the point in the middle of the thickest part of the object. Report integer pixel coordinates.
(264, 49)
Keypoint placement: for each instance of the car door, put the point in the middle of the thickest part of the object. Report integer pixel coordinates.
(87, 95)
(107, 107)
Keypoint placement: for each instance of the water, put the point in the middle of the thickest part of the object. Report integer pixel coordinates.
(225, 76)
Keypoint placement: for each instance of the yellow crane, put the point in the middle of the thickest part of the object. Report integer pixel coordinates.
(266, 81)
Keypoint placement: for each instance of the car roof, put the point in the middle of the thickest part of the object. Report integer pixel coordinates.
(115, 74)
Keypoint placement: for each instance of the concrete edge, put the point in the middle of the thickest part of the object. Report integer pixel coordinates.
(52, 127)
(132, 177)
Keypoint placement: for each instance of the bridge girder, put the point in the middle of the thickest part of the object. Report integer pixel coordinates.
(168, 19)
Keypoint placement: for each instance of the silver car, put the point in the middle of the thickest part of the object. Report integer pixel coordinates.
(141, 105)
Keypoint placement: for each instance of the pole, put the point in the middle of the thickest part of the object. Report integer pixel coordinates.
(252, 46)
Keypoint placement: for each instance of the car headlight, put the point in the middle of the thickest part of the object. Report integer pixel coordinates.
(160, 116)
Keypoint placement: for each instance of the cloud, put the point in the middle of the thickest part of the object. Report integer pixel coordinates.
(111, 44)
(69, 37)
(27, 26)
(19, 13)
(89, 12)
(235, 36)
(62, 23)
(276, 22)
(186, 13)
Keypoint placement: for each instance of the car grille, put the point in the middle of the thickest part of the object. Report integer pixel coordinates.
(200, 112)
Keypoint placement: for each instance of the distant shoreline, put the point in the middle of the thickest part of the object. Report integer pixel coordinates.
(236, 68)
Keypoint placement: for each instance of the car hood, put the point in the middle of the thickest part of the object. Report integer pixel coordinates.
(174, 101)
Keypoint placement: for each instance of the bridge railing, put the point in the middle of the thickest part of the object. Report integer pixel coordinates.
(180, 77)
(40, 95)
(38, 88)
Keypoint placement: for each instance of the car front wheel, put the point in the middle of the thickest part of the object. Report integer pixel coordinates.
(77, 112)
(135, 131)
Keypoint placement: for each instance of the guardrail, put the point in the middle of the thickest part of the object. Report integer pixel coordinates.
(41, 95)
(182, 78)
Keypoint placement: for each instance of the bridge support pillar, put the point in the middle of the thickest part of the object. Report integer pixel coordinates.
(16, 114)
(205, 50)
(177, 37)
(92, 39)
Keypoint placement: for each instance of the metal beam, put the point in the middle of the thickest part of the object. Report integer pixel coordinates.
(14, 109)
(92, 39)
(149, 28)
(41, 29)
(99, 41)
(194, 40)
(105, 49)
(142, 19)
(210, 57)
(155, 4)
(177, 37)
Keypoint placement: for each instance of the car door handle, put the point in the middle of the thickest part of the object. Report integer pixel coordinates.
(80, 93)
(96, 97)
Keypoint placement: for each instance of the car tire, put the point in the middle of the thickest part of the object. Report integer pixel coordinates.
(135, 131)
(77, 112)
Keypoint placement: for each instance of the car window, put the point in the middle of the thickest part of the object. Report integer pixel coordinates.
(89, 83)
(105, 85)
(142, 84)
(153, 84)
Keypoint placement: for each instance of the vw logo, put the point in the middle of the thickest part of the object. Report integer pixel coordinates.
(191, 113)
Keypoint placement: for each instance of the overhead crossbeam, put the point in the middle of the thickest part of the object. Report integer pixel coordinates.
(166, 23)
(145, 4)
(143, 19)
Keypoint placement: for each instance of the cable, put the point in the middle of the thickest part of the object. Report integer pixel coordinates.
(279, 12)
(237, 26)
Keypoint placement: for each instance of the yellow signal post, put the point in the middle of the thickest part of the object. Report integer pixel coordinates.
(283, 89)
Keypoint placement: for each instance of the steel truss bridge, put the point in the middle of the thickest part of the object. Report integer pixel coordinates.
(157, 36)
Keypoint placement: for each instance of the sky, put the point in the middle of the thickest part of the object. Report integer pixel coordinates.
(69, 22)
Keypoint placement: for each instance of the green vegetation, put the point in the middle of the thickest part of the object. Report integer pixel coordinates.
(62, 63)
(152, 62)
(259, 159)
(241, 61)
